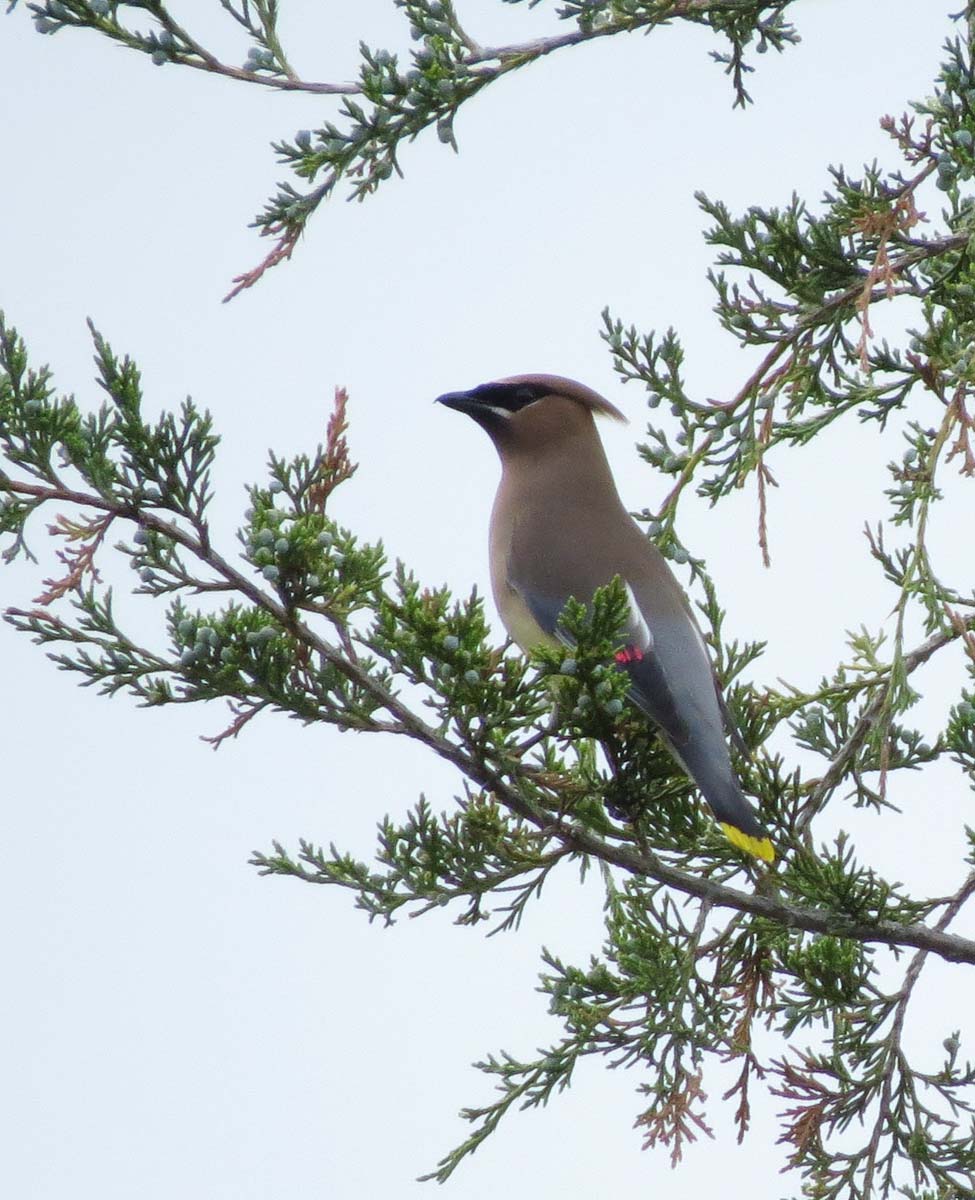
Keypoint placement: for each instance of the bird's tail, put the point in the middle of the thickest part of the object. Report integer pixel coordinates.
(712, 773)
(742, 828)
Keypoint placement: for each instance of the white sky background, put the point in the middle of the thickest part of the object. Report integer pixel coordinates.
(175, 1025)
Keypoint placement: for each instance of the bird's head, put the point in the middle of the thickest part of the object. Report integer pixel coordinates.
(532, 413)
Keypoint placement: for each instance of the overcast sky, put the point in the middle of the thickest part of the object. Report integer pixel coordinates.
(178, 1026)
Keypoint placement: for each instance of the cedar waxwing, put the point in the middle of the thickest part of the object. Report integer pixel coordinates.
(559, 529)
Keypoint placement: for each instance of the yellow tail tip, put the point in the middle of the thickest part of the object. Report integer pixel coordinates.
(760, 847)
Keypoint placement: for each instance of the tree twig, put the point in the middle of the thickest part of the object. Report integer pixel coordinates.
(476, 768)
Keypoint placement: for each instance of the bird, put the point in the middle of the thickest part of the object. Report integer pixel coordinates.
(558, 530)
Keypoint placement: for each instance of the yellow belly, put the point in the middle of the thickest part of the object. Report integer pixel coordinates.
(519, 622)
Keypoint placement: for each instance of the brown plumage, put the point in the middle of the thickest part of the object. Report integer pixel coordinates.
(559, 529)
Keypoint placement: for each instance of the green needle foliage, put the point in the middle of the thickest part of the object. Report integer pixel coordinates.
(392, 102)
(802, 975)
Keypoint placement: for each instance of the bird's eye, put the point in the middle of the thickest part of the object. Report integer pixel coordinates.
(525, 395)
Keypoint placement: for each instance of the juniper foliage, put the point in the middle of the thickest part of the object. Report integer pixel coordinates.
(804, 975)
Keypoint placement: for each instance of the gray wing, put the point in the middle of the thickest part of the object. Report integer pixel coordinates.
(650, 689)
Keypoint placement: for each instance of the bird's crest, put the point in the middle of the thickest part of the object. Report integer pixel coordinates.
(559, 385)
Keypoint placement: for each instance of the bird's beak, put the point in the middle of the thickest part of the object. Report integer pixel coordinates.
(461, 401)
